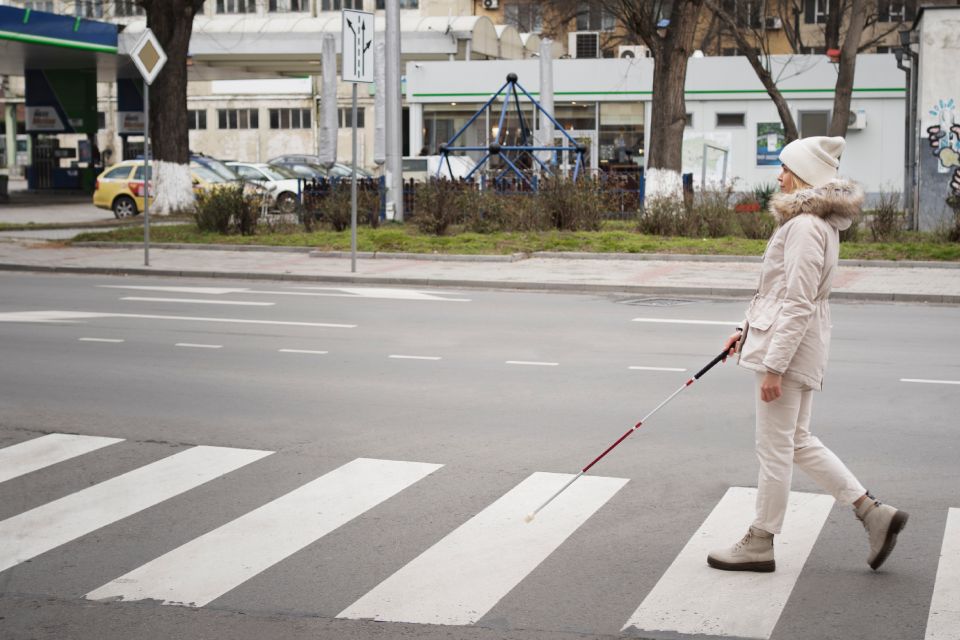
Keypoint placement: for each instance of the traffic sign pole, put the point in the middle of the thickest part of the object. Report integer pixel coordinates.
(148, 56)
(146, 174)
(353, 190)
(357, 66)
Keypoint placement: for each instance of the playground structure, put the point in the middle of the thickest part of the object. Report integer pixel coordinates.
(523, 160)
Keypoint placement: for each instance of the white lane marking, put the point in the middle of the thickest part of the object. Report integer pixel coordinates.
(46, 527)
(730, 323)
(375, 292)
(692, 598)
(402, 357)
(213, 291)
(342, 292)
(319, 353)
(25, 457)
(459, 579)
(192, 345)
(111, 340)
(199, 301)
(923, 381)
(533, 364)
(47, 316)
(943, 622)
(655, 369)
(67, 316)
(207, 567)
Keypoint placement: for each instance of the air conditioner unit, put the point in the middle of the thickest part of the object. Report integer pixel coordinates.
(583, 44)
(633, 51)
(490, 5)
(773, 22)
(857, 120)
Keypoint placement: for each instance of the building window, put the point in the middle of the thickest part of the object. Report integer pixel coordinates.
(197, 119)
(88, 8)
(746, 13)
(592, 16)
(346, 117)
(730, 120)
(404, 4)
(101, 120)
(124, 8)
(525, 17)
(238, 118)
(814, 123)
(815, 11)
(289, 118)
(236, 6)
(337, 5)
(689, 119)
(888, 11)
(39, 5)
(282, 6)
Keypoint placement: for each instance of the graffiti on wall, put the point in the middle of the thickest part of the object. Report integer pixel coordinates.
(944, 136)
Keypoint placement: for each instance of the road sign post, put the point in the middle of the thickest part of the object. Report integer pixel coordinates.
(148, 56)
(357, 66)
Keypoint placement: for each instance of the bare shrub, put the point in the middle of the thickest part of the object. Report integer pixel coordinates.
(886, 219)
(579, 205)
(227, 210)
(441, 203)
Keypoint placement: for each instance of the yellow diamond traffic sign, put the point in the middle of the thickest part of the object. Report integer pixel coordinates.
(148, 56)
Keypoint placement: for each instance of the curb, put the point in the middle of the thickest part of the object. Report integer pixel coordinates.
(744, 293)
(513, 257)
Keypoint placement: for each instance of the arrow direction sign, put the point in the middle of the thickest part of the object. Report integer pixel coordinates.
(357, 47)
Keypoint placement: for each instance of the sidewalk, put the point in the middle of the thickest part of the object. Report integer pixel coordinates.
(622, 274)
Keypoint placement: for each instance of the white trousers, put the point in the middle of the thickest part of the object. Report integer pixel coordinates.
(783, 438)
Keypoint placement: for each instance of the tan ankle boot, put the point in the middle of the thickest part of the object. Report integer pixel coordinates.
(882, 523)
(753, 553)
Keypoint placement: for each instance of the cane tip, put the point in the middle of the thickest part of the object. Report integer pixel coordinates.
(528, 518)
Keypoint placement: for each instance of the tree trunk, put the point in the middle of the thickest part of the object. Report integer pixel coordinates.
(843, 91)
(172, 23)
(668, 104)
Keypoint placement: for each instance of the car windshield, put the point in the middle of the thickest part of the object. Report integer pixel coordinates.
(276, 173)
(207, 175)
(217, 167)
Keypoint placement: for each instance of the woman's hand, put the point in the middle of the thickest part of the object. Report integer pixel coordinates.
(770, 387)
(731, 346)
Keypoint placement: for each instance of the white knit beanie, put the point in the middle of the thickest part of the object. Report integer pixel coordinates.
(814, 160)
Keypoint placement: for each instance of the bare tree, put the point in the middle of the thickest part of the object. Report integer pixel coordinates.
(668, 29)
(172, 23)
(842, 27)
(753, 43)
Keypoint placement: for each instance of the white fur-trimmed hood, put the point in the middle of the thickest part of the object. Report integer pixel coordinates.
(838, 202)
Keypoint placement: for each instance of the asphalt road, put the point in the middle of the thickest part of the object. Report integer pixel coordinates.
(498, 388)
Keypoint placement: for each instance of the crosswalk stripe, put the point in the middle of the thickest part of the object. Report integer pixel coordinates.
(23, 458)
(692, 598)
(46, 527)
(943, 622)
(459, 579)
(209, 566)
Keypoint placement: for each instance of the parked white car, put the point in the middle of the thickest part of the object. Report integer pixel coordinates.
(280, 183)
(422, 168)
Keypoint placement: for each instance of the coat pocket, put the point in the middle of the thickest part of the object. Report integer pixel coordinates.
(763, 312)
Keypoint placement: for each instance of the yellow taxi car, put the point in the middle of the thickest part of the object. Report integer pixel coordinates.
(120, 187)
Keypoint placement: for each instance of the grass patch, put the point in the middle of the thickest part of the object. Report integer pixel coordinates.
(614, 237)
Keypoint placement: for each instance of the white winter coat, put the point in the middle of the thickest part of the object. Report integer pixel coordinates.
(787, 328)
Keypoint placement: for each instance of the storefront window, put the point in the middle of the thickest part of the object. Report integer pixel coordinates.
(621, 133)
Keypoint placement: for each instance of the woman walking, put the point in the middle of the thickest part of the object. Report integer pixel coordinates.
(785, 341)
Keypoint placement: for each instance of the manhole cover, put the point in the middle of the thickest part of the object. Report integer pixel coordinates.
(657, 302)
